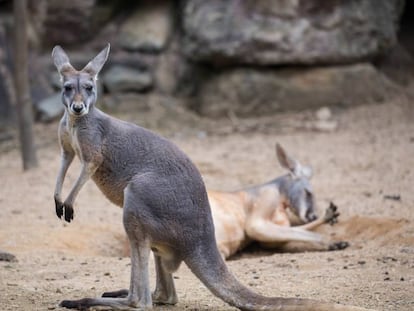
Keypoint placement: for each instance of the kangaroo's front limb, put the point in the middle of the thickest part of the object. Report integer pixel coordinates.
(263, 230)
(66, 160)
(271, 235)
(87, 170)
(331, 216)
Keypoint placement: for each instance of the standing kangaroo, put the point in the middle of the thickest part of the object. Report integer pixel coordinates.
(260, 213)
(164, 200)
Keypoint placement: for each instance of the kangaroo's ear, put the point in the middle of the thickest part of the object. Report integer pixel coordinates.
(96, 64)
(61, 60)
(284, 160)
(295, 168)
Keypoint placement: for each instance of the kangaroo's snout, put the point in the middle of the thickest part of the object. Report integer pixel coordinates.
(310, 216)
(78, 108)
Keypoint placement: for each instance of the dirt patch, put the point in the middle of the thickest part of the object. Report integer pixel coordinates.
(382, 230)
(358, 166)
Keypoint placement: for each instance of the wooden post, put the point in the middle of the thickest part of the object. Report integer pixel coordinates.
(23, 102)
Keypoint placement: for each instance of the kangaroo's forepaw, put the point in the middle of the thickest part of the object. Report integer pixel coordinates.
(68, 213)
(64, 208)
(336, 246)
(331, 214)
(59, 208)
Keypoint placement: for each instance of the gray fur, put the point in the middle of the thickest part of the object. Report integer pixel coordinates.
(299, 195)
(164, 200)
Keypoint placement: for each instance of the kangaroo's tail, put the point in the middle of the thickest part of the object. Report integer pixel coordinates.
(207, 264)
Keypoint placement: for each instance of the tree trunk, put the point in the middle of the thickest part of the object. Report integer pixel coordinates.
(24, 106)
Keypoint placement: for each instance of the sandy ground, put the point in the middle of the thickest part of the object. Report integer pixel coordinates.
(363, 167)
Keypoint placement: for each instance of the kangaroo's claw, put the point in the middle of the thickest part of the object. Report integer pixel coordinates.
(331, 214)
(68, 213)
(338, 245)
(59, 208)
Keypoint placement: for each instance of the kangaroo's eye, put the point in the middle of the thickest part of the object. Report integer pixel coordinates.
(88, 88)
(68, 88)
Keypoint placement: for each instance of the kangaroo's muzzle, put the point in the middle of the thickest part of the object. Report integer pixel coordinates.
(310, 216)
(78, 108)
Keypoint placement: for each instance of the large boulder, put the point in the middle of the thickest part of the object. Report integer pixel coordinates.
(289, 31)
(118, 79)
(148, 28)
(69, 22)
(251, 91)
(50, 108)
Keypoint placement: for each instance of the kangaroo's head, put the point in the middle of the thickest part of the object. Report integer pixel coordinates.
(295, 186)
(78, 87)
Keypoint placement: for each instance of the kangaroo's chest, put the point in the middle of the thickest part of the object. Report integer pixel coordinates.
(74, 141)
(86, 146)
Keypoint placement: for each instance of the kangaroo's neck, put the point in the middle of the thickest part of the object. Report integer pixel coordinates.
(278, 186)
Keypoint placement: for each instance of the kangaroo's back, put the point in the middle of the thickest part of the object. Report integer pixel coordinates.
(128, 150)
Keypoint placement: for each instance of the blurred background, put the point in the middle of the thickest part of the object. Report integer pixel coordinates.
(214, 59)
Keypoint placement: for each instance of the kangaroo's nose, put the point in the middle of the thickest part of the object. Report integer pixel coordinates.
(77, 109)
(311, 216)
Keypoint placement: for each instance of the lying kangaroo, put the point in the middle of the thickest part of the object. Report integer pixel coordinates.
(164, 200)
(260, 213)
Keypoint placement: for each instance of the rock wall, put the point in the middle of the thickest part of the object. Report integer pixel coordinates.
(245, 57)
(262, 32)
(253, 91)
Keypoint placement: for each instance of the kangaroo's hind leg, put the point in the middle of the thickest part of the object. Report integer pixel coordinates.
(165, 290)
(139, 294)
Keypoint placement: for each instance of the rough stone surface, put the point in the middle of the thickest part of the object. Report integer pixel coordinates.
(397, 64)
(69, 22)
(289, 31)
(249, 91)
(230, 55)
(50, 108)
(172, 70)
(148, 28)
(40, 86)
(123, 79)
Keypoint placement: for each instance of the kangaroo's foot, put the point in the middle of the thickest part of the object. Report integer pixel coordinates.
(161, 298)
(64, 208)
(113, 303)
(335, 246)
(157, 297)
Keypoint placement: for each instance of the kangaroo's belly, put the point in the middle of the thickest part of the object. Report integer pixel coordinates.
(229, 222)
(111, 184)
